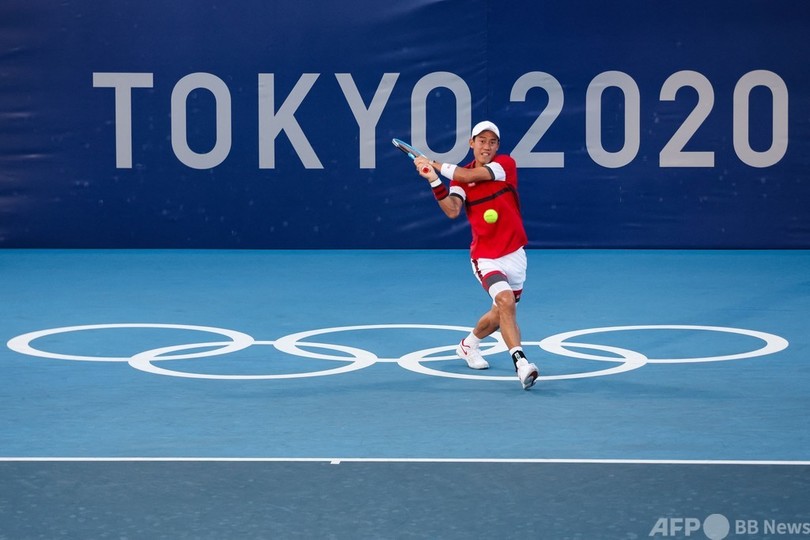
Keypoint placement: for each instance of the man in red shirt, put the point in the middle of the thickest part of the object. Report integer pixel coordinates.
(487, 190)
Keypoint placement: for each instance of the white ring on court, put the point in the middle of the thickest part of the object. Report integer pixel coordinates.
(556, 344)
(143, 362)
(22, 343)
(630, 360)
(289, 343)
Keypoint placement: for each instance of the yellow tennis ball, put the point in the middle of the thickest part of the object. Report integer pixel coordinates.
(491, 216)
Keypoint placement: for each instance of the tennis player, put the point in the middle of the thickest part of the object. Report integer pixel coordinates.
(486, 188)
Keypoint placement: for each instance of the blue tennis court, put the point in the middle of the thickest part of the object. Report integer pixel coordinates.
(230, 305)
(308, 394)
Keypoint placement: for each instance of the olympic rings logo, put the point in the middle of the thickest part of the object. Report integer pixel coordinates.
(348, 358)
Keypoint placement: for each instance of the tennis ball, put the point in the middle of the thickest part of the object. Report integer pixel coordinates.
(490, 216)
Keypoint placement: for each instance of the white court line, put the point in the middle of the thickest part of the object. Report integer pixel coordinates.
(337, 461)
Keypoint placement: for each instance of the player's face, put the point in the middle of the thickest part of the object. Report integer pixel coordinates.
(484, 146)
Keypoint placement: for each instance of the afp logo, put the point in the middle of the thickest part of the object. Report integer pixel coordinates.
(715, 527)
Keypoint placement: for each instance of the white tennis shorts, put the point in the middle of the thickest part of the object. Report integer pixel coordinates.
(502, 274)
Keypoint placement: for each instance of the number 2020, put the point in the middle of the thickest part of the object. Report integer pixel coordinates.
(673, 153)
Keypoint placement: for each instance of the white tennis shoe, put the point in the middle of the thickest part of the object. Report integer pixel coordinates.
(472, 356)
(527, 373)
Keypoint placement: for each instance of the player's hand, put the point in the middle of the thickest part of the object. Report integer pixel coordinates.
(425, 169)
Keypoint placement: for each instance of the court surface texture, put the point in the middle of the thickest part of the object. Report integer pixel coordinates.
(315, 394)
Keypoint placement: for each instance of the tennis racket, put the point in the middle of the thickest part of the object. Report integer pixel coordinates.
(410, 151)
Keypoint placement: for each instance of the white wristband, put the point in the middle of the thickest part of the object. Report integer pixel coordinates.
(436, 183)
(448, 169)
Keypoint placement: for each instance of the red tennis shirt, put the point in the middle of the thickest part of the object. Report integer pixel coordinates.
(507, 234)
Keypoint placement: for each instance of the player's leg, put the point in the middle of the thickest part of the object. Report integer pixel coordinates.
(493, 280)
(488, 323)
(468, 348)
(505, 310)
(487, 273)
(514, 267)
(506, 304)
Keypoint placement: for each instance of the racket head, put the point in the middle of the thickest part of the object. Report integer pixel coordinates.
(412, 152)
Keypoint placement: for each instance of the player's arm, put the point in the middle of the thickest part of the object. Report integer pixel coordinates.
(463, 175)
(450, 204)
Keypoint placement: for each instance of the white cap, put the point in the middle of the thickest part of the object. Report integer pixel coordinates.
(486, 125)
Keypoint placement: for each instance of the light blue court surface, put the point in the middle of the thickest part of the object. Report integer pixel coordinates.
(675, 384)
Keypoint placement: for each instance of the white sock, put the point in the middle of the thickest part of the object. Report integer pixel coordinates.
(472, 341)
(518, 359)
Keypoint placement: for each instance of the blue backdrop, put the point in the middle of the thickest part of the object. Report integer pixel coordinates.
(267, 124)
